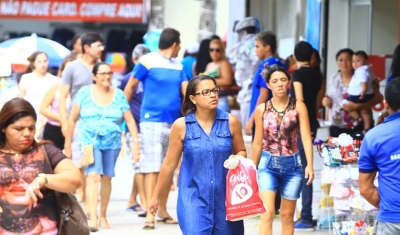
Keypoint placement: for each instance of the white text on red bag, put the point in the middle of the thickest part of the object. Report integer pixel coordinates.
(242, 195)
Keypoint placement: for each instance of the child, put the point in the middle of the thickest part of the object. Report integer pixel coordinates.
(291, 64)
(361, 89)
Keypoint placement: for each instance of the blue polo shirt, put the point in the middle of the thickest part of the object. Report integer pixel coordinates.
(380, 151)
(162, 78)
(259, 82)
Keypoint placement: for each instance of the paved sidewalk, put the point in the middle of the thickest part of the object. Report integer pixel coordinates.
(126, 222)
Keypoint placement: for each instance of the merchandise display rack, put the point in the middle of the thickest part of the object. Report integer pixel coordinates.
(343, 211)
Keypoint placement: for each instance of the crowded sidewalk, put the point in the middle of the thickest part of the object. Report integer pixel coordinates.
(127, 222)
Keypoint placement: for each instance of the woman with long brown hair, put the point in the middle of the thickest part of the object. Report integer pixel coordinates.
(220, 69)
(27, 198)
(34, 82)
(49, 109)
(207, 136)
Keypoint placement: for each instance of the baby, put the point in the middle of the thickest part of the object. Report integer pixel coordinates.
(361, 89)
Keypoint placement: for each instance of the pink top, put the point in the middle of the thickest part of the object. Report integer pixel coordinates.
(280, 129)
(54, 107)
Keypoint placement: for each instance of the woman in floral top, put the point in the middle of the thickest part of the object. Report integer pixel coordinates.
(27, 184)
(101, 109)
(337, 92)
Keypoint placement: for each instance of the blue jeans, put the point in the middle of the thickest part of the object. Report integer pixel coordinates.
(307, 190)
(283, 172)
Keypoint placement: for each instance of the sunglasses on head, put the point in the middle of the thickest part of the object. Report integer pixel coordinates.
(215, 49)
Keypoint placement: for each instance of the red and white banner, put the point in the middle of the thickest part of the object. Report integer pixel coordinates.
(76, 10)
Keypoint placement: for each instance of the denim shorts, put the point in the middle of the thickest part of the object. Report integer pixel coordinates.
(284, 172)
(104, 162)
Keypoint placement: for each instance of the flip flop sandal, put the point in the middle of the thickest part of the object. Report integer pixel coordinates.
(167, 220)
(135, 208)
(148, 226)
(142, 214)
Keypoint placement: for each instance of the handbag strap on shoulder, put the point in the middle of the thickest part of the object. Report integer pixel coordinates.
(46, 157)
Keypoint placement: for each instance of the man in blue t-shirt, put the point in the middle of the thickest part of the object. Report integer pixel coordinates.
(265, 47)
(380, 152)
(135, 102)
(164, 83)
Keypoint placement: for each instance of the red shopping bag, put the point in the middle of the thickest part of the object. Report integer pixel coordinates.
(242, 198)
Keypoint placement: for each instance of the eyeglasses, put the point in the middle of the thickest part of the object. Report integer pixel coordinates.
(207, 92)
(99, 46)
(215, 49)
(104, 74)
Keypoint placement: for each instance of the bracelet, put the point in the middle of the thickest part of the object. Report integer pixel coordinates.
(135, 140)
(46, 182)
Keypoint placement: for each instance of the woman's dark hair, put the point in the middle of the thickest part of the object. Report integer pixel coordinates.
(187, 105)
(96, 69)
(344, 50)
(203, 57)
(318, 57)
(75, 39)
(395, 67)
(32, 58)
(269, 70)
(97, 66)
(12, 111)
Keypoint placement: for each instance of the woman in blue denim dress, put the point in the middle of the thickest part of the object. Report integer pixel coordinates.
(207, 136)
(275, 150)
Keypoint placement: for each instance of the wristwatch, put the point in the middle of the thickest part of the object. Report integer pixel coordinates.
(46, 182)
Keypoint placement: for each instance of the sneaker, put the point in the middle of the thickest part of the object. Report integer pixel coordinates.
(301, 226)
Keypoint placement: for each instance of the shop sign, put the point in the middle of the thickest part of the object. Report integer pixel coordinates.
(76, 10)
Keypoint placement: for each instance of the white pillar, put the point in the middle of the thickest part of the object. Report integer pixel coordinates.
(237, 11)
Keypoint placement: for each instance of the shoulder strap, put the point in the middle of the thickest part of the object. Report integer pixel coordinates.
(46, 157)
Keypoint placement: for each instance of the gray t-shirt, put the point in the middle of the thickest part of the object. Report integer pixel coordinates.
(77, 75)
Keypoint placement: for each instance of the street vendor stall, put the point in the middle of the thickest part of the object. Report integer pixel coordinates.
(342, 208)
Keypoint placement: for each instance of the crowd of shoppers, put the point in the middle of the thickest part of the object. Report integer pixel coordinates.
(189, 122)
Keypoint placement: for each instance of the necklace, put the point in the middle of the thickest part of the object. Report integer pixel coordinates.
(280, 113)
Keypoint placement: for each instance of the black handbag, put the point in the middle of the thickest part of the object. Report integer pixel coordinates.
(73, 220)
